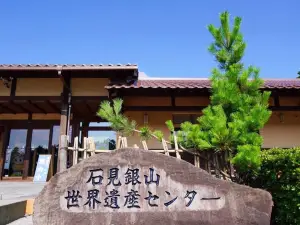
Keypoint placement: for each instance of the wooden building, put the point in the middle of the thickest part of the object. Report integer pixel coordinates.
(38, 103)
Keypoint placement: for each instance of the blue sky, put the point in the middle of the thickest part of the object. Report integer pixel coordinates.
(165, 38)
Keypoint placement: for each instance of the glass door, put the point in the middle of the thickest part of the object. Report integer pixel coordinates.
(39, 145)
(14, 160)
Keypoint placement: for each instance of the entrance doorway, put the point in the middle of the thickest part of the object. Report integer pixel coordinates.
(15, 152)
(41, 138)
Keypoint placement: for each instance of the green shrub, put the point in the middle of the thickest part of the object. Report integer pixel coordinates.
(280, 175)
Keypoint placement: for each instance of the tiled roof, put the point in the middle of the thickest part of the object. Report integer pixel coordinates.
(201, 84)
(66, 66)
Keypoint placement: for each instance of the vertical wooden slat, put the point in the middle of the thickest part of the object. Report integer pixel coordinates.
(197, 161)
(144, 143)
(75, 151)
(165, 147)
(176, 146)
(85, 146)
(92, 146)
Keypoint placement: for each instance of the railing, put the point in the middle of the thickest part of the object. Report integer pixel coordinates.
(76, 153)
(89, 148)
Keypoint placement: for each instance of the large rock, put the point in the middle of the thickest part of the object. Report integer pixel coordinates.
(131, 186)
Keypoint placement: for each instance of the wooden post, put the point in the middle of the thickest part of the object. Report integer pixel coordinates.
(176, 147)
(75, 133)
(27, 148)
(62, 153)
(62, 157)
(205, 161)
(165, 147)
(123, 142)
(119, 142)
(85, 146)
(92, 146)
(208, 162)
(216, 162)
(5, 137)
(75, 151)
(145, 145)
(197, 161)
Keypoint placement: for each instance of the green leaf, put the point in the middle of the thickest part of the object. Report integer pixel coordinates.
(170, 125)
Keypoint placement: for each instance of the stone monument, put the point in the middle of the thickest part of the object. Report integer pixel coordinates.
(132, 186)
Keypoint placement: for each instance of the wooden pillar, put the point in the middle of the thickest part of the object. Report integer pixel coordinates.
(27, 148)
(50, 151)
(64, 117)
(5, 137)
(84, 133)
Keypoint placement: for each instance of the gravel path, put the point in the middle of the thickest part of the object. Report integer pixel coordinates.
(23, 221)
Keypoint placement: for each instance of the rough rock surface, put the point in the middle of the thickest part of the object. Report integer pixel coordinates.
(132, 186)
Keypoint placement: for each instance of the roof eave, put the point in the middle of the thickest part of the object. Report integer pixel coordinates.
(57, 68)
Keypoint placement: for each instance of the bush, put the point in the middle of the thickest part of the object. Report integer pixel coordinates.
(280, 175)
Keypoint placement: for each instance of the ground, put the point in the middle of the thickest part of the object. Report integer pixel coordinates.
(17, 191)
(14, 191)
(23, 221)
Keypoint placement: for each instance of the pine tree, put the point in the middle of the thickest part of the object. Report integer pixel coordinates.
(238, 110)
(229, 127)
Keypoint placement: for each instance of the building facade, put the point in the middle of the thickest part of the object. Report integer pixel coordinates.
(41, 102)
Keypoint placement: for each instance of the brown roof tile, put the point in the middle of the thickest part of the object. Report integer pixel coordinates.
(65, 66)
(201, 84)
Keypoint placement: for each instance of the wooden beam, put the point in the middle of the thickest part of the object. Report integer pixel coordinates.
(75, 110)
(163, 108)
(52, 106)
(89, 108)
(97, 128)
(20, 107)
(13, 87)
(36, 106)
(276, 99)
(196, 108)
(90, 98)
(285, 108)
(163, 92)
(32, 98)
(7, 109)
(27, 148)
(173, 102)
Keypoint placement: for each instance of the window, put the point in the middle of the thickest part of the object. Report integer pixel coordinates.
(181, 118)
(99, 124)
(104, 137)
(104, 140)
